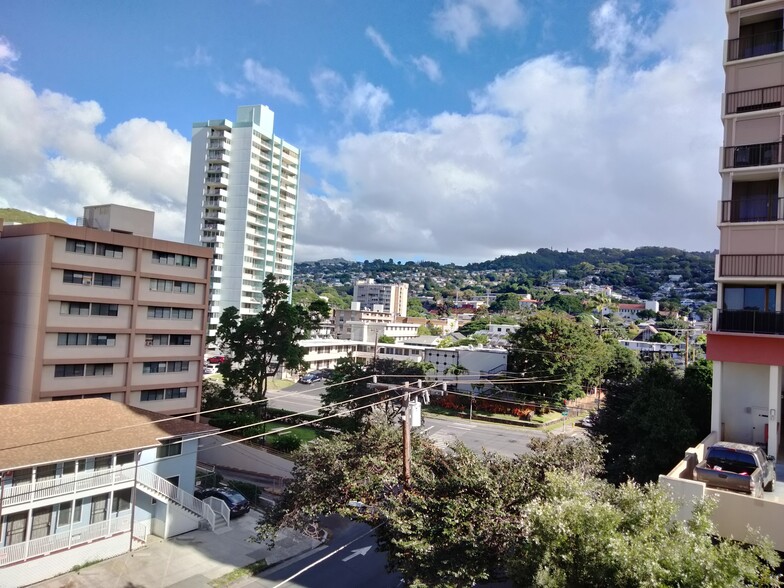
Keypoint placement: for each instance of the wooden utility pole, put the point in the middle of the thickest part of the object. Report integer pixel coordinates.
(406, 441)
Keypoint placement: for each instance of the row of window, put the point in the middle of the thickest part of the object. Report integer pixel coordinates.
(92, 248)
(166, 258)
(165, 312)
(81, 369)
(86, 308)
(91, 278)
(162, 367)
(165, 394)
(172, 286)
(164, 339)
(108, 340)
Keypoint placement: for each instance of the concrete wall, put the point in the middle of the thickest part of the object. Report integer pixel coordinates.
(744, 387)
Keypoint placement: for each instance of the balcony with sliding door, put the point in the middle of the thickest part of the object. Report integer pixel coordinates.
(759, 35)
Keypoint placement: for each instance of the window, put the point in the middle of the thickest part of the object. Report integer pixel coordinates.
(72, 277)
(80, 308)
(121, 500)
(178, 366)
(180, 340)
(174, 259)
(125, 458)
(184, 287)
(102, 339)
(72, 338)
(15, 528)
(163, 394)
(171, 393)
(102, 463)
(161, 312)
(68, 371)
(98, 508)
(99, 369)
(78, 246)
(100, 309)
(760, 298)
(154, 367)
(156, 340)
(111, 280)
(170, 447)
(65, 511)
(109, 250)
(161, 285)
(150, 395)
(182, 313)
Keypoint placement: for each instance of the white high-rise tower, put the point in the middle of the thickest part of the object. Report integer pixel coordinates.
(242, 203)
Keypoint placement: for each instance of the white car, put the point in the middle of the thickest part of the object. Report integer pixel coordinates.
(210, 368)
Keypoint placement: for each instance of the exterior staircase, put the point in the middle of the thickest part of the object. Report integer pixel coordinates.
(212, 510)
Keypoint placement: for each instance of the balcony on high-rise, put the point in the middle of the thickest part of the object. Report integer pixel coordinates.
(755, 155)
(757, 39)
(754, 100)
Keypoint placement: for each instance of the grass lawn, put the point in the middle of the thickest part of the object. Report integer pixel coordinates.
(278, 384)
(305, 434)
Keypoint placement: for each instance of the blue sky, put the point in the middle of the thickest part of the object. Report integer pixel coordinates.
(452, 130)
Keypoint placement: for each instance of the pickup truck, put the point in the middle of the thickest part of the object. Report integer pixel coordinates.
(738, 467)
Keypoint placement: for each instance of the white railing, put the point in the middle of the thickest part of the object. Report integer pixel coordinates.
(68, 484)
(71, 538)
(220, 507)
(176, 495)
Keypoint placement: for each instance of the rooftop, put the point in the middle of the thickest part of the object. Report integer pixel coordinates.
(45, 432)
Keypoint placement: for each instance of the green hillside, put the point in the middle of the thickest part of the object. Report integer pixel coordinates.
(14, 215)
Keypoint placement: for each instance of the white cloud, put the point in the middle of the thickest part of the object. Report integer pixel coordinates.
(461, 21)
(376, 38)
(53, 161)
(553, 154)
(199, 58)
(360, 100)
(8, 55)
(429, 67)
(270, 81)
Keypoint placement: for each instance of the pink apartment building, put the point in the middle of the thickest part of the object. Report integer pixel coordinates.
(102, 310)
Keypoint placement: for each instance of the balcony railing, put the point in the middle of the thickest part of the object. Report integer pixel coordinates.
(757, 99)
(736, 3)
(68, 484)
(755, 45)
(752, 155)
(755, 209)
(751, 321)
(751, 266)
(71, 538)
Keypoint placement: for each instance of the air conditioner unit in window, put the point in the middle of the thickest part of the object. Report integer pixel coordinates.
(87, 281)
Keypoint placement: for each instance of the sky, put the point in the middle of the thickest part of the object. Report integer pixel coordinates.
(445, 130)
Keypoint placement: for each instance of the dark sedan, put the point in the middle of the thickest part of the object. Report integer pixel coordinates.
(237, 503)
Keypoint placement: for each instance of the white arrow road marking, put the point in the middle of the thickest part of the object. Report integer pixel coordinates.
(356, 552)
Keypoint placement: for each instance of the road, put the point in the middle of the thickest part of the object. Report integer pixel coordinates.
(350, 560)
(508, 440)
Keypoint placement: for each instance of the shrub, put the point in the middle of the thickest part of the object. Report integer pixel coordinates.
(286, 443)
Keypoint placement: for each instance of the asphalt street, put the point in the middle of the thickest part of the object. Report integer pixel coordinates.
(508, 440)
(349, 560)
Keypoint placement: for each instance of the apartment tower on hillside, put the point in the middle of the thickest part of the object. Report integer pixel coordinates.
(242, 203)
(392, 298)
(746, 343)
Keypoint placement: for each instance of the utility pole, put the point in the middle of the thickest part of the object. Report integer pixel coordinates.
(406, 440)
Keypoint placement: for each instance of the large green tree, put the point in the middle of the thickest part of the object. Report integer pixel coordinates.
(543, 517)
(257, 346)
(563, 355)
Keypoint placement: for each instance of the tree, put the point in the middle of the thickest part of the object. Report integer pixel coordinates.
(415, 307)
(565, 356)
(624, 364)
(542, 517)
(386, 339)
(664, 337)
(566, 303)
(215, 395)
(645, 424)
(347, 385)
(257, 346)
(505, 303)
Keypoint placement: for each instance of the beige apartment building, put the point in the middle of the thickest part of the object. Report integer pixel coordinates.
(102, 310)
(392, 298)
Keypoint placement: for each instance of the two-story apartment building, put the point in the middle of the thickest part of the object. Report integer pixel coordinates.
(102, 310)
(84, 480)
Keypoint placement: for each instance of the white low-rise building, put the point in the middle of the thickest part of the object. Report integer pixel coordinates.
(85, 480)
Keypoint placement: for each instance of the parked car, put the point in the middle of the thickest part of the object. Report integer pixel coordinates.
(237, 503)
(216, 359)
(210, 368)
(310, 378)
(738, 467)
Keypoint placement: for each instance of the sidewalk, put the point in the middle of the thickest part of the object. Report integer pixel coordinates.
(190, 560)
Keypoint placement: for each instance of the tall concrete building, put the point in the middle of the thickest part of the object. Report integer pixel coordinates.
(242, 203)
(102, 310)
(392, 298)
(747, 340)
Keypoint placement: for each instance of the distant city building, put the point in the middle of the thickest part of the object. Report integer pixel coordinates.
(242, 203)
(391, 297)
(102, 310)
(344, 318)
(629, 312)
